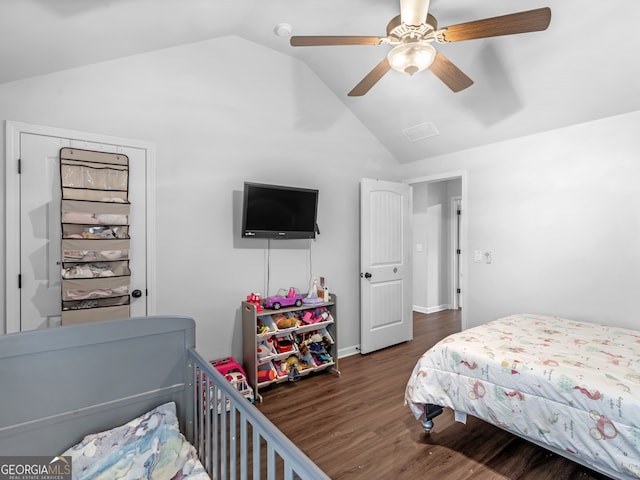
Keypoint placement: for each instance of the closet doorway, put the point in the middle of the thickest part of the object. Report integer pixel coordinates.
(439, 242)
(32, 221)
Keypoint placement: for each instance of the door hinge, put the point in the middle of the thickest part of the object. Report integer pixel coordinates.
(458, 251)
(19, 166)
(19, 280)
(458, 212)
(458, 290)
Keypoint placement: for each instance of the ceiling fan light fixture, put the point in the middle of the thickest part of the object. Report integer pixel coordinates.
(411, 58)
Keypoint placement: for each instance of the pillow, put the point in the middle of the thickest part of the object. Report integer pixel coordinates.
(148, 447)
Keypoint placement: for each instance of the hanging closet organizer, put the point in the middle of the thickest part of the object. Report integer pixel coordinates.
(95, 235)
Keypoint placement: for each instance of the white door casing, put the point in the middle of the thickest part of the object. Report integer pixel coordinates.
(39, 231)
(385, 264)
(33, 220)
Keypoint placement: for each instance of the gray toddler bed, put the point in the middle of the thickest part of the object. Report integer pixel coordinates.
(60, 384)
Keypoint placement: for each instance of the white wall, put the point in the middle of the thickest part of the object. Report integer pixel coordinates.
(221, 112)
(420, 248)
(560, 213)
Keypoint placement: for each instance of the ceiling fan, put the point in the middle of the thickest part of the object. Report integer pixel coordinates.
(413, 31)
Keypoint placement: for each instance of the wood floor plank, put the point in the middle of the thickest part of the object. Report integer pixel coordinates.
(356, 426)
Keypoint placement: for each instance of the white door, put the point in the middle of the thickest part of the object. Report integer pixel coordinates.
(39, 267)
(385, 264)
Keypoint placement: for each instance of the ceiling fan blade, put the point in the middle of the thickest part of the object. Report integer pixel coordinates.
(451, 76)
(316, 41)
(522, 22)
(414, 12)
(371, 79)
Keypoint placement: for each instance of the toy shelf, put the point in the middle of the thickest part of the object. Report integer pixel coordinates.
(325, 358)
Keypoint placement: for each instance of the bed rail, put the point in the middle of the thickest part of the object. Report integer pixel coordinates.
(234, 439)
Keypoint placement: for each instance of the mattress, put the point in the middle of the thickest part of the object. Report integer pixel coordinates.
(571, 385)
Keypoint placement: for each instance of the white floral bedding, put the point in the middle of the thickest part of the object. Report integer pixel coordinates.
(571, 385)
(148, 447)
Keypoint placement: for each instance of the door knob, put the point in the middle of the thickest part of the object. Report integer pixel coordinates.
(366, 275)
(136, 293)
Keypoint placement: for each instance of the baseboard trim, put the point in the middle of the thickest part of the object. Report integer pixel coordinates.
(428, 310)
(347, 352)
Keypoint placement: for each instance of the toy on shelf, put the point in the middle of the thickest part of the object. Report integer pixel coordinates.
(314, 347)
(256, 299)
(262, 329)
(266, 373)
(323, 291)
(306, 359)
(319, 352)
(282, 299)
(290, 368)
(265, 327)
(284, 345)
(312, 297)
(266, 349)
(318, 315)
(283, 321)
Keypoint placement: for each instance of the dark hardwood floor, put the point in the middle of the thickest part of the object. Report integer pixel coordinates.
(356, 426)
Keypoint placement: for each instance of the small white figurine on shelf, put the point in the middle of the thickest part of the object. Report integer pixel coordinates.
(313, 291)
(312, 298)
(323, 292)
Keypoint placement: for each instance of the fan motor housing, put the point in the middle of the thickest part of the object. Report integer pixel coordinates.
(399, 30)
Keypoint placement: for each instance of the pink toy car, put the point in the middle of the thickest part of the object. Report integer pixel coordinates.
(278, 301)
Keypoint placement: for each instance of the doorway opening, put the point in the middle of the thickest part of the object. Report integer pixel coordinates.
(439, 243)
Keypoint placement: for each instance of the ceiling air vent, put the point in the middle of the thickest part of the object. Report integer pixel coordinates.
(420, 132)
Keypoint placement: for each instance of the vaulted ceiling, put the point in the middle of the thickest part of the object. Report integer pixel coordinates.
(585, 66)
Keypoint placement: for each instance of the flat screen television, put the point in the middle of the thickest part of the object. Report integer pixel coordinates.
(277, 211)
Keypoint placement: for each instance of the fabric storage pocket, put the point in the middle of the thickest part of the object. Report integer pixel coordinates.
(117, 179)
(94, 250)
(71, 175)
(94, 195)
(88, 315)
(94, 232)
(94, 175)
(94, 213)
(94, 255)
(95, 303)
(93, 288)
(96, 270)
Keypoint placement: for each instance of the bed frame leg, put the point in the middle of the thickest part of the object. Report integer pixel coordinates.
(430, 411)
(427, 425)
